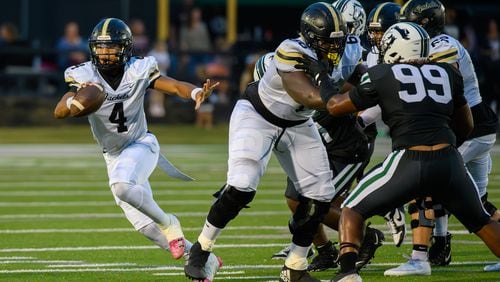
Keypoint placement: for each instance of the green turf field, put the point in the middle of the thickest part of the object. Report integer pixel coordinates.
(59, 222)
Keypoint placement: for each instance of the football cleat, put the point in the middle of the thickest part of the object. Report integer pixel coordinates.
(211, 267)
(395, 219)
(326, 258)
(283, 254)
(195, 264)
(440, 250)
(177, 247)
(351, 276)
(374, 238)
(412, 267)
(492, 267)
(292, 275)
(175, 237)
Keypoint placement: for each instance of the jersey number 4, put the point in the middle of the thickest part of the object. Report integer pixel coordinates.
(117, 116)
(412, 79)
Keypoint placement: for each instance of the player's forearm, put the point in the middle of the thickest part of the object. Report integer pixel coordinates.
(175, 87)
(61, 110)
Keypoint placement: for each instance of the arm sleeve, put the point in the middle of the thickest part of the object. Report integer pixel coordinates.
(371, 115)
(364, 95)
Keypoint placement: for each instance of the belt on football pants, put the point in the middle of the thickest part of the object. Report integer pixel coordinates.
(252, 94)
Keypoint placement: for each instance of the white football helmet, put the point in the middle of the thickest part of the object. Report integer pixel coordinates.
(261, 65)
(354, 15)
(403, 42)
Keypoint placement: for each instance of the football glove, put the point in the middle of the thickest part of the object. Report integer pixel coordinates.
(318, 70)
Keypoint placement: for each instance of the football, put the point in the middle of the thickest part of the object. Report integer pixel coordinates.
(87, 100)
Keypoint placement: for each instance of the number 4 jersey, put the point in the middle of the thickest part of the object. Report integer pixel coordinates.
(121, 119)
(417, 101)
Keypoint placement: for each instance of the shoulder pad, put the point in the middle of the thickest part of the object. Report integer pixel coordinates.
(444, 49)
(288, 51)
(144, 68)
(78, 74)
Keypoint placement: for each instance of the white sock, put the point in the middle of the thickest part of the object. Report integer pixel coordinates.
(208, 236)
(153, 233)
(297, 258)
(419, 255)
(441, 228)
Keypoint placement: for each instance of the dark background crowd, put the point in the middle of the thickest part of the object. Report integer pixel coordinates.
(40, 39)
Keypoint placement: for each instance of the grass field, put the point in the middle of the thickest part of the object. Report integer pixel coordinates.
(58, 220)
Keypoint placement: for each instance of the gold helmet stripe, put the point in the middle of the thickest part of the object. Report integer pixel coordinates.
(104, 30)
(377, 12)
(334, 15)
(404, 8)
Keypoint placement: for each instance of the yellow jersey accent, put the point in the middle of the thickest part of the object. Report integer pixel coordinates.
(289, 58)
(445, 56)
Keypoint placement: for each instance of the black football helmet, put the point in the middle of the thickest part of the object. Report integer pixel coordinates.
(324, 30)
(380, 19)
(111, 33)
(429, 14)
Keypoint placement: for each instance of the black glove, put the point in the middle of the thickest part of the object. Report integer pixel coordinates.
(318, 70)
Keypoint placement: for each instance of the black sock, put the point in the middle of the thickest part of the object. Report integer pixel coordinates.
(348, 262)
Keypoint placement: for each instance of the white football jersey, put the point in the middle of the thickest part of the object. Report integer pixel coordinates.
(447, 49)
(121, 119)
(351, 57)
(271, 90)
(372, 57)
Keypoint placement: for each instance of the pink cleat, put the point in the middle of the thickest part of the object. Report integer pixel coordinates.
(177, 247)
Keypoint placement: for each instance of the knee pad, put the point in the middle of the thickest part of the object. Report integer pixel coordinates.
(229, 203)
(306, 219)
(488, 206)
(439, 211)
(122, 191)
(425, 216)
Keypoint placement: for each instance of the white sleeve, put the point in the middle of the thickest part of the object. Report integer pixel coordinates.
(371, 115)
(288, 51)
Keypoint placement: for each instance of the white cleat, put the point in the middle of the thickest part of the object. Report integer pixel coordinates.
(492, 267)
(412, 267)
(175, 237)
(395, 220)
(211, 267)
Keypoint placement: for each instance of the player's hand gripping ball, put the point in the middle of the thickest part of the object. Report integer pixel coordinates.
(87, 100)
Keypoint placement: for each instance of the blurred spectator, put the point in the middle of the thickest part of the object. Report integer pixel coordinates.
(156, 98)
(194, 37)
(13, 50)
(140, 42)
(490, 55)
(71, 48)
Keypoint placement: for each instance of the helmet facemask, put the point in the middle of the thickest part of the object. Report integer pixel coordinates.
(108, 55)
(332, 48)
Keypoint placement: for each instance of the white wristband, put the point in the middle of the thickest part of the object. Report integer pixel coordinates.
(194, 92)
(68, 102)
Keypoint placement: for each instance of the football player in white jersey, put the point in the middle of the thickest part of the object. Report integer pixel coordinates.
(275, 116)
(119, 126)
(347, 147)
(430, 14)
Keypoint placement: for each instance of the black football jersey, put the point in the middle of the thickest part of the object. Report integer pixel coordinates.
(345, 141)
(417, 101)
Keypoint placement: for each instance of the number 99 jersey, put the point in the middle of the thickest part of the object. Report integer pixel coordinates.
(121, 119)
